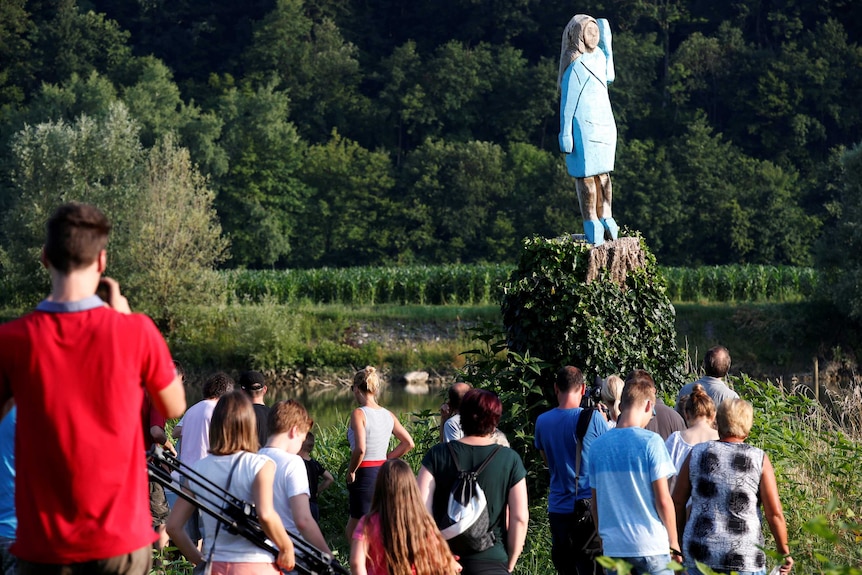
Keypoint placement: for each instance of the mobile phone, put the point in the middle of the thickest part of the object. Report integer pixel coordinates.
(104, 291)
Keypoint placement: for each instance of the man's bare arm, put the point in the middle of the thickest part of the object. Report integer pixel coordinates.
(171, 401)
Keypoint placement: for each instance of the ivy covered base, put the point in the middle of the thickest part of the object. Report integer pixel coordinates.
(602, 309)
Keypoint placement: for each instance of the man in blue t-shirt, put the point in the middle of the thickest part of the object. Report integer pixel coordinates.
(8, 520)
(629, 469)
(575, 544)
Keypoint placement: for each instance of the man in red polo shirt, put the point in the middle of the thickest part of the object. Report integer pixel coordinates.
(77, 369)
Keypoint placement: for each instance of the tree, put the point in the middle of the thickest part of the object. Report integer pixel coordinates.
(839, 252)
(350, 217)
(176, 243)
(465, 188)
(165, 237)
(314, 64)
(154, 100)
(260, 196)
(544, 200)
(77, 42)
(94, 160)
(15, 62)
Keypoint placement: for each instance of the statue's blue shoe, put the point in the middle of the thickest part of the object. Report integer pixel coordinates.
(595, 232)
(611, 226)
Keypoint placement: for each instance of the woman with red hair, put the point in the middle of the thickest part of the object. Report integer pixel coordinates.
(502, 480)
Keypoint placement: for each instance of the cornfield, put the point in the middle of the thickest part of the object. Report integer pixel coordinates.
(480, 284)
(740, 283)
(476, 284)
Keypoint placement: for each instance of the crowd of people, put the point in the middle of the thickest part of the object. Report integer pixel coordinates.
(86, 383)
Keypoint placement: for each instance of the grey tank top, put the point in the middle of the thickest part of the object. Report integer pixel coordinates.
(378, 430)
(724, 528)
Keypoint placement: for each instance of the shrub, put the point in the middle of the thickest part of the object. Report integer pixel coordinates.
(618, 321)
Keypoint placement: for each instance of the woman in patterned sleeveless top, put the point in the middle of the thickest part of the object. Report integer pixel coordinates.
(727, 480)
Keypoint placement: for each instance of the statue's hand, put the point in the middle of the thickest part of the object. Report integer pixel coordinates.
(567, 144)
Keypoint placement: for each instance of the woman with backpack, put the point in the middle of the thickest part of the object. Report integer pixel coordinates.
(501, 476)
(398, 536)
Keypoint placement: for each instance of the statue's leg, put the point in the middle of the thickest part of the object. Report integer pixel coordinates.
(606, 194)
(587, 200)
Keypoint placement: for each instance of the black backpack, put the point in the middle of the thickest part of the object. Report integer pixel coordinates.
(468, 526)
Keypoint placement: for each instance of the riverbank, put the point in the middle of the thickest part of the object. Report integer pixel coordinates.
(314, 346)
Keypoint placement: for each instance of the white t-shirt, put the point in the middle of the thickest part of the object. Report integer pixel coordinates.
(452, 428)
(217, 468)
(290, 480)
(195, 443)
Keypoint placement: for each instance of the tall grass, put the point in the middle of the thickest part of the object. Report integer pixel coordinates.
(425, 285)
(749, 283)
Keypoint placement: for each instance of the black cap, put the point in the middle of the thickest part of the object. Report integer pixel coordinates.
(252, 381)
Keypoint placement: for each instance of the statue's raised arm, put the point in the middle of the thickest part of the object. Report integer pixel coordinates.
(588, 134)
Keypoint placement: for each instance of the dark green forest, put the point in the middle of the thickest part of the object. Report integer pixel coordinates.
(348, 132)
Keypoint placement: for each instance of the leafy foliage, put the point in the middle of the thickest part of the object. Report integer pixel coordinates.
(175, 247)
(838, 255)
(551, 311)
(165, 239)
(731, 116)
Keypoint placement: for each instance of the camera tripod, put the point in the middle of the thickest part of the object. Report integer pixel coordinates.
(237, 516)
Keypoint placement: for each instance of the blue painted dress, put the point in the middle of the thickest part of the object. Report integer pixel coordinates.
(588, 133)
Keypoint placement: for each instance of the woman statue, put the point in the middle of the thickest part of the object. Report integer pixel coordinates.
(588, 133)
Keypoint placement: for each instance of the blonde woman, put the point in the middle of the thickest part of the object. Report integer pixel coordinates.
(727, 481)
(368, 434)
(612, 390)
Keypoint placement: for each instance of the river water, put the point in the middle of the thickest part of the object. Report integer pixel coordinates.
(331, 405)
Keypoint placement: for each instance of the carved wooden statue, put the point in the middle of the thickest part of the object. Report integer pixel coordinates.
(588, 134)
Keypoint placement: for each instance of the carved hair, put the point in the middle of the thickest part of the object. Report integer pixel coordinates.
(573, 42)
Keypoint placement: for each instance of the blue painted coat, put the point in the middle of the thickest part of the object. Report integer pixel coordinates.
(588, 133)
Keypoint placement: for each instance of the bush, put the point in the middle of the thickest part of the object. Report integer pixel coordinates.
(604, 319)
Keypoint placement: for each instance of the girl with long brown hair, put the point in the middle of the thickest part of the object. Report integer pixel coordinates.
(234, 464)
(398, 536)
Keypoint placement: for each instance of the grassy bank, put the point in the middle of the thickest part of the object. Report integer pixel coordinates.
(766, 340)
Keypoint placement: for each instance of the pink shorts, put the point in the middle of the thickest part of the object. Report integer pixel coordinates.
(230, 568)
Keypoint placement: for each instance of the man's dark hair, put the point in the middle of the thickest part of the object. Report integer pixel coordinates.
(716, 363)
(568, 378)
(76, 233)
(456, 393)
(217, 385)
(639, 387)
